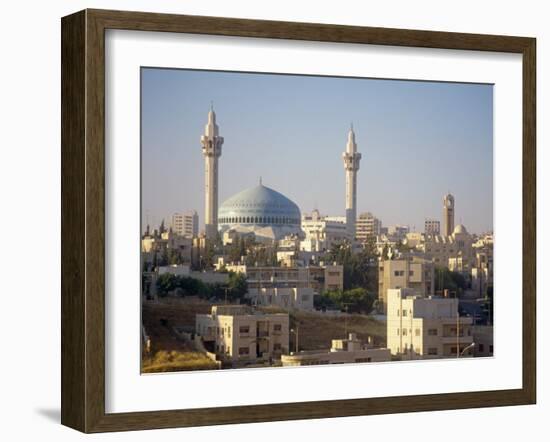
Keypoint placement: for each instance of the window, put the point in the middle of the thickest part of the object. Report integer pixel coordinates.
(411, 272)
(432, 332)
(277, 327)
(417, 332)
(432, 351)
(277, 347)
(244, 329)
(404, 312)
(404, 332)
(491, 349)
(481, 348)
(228, 331)
(243, 350)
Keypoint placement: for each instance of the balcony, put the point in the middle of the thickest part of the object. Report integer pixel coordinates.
(447, 339)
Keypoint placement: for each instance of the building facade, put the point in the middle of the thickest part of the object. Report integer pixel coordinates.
(321, 233)
(186, 224)
(237, 333)
(367, 227)
(430, 327)
(318, 278)
(432, 227)
(410, 272)
(342, 351)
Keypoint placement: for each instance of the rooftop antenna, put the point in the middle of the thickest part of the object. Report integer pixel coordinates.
(211, 105)
(260, 180)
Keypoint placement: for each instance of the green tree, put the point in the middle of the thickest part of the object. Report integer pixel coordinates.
(357, 300)
(167, 283)
(446, 279)
(360, 268)
(237, 286)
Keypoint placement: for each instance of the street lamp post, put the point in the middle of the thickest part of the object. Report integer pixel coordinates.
(467, 348)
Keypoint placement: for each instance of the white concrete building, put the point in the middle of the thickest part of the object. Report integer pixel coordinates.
(319, 278)
(211, 143)
(367, 227)
(342, 351)
(351, 159)
(321, 232)
(300, 298)
(421, 327)
(238, 334)
(432, 227)
(186, 224)
(441, 248)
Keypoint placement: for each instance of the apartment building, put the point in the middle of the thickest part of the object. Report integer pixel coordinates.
(412, 272)
(238, 333)
(342, 351)
(420, 327)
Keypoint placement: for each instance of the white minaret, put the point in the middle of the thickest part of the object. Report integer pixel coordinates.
(351, 165)
(212, 150)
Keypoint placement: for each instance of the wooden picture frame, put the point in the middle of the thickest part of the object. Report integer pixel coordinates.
(83, 219)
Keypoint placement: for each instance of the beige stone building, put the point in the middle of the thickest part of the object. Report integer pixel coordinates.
(442, 248)
(421, 327)
(342, 351)
(238, 334)
(186, 224)
(321, 232)
(408, 272)
(367, 227)
(483, 338)
(319, 278)
(300, 298)
(165, 242)
(432, 227)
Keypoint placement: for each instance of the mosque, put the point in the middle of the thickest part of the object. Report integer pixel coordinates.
(261, 210)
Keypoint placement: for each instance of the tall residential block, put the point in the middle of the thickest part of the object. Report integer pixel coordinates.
(186, 224)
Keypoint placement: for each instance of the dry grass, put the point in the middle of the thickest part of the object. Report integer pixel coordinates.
(165, 361)
(168, 352)
(316, 331)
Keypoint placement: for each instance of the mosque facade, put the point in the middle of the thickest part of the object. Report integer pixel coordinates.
(261, 210)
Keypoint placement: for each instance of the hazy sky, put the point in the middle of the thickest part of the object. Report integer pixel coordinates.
(418, 140)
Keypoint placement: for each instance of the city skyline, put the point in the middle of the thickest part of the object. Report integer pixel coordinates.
(290, 131)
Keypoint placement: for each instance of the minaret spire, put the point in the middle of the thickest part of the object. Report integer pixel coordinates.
(211, 149)
(352, 159)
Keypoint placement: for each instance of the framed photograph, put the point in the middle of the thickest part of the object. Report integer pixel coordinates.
(267, 221)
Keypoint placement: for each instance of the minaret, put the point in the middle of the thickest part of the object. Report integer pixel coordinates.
(351, 165)
(448, 214)
(212, 150)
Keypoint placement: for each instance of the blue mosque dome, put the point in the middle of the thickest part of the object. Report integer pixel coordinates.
(261, 210)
